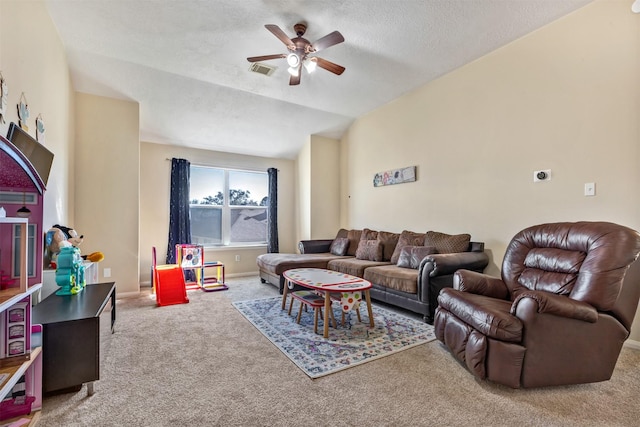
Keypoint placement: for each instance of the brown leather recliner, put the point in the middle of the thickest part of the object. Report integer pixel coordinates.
(559, 315)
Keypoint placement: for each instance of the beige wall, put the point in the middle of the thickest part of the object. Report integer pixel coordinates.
(565, 98)
(325, 187)
(303, 192)
(155, 184)
(33, 62)
(318, 166)
(107, 185)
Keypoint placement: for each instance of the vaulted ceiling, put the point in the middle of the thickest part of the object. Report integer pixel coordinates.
(185, 61)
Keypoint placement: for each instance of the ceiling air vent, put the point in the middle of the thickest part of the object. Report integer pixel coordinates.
(259, 68)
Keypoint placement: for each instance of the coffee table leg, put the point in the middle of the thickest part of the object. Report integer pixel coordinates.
(367, 297)
(284, 293)
(327, 307)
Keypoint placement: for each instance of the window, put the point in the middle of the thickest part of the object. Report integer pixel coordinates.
(228, 207)
(31, 256)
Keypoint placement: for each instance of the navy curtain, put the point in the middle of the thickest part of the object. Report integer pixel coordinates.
(272, 218)
(179, 218)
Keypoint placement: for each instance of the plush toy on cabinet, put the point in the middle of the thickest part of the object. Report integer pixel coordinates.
(58, 237)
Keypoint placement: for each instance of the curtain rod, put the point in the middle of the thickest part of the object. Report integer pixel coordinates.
(220, 167)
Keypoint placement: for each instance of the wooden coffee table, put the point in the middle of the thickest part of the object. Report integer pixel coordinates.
(327, 282)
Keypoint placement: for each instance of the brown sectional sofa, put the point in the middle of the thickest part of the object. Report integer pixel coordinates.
(406, 269)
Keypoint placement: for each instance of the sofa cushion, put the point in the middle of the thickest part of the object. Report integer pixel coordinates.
(368, 234)
(370, 250)
(339, 246)
(389, 240)
(411, 256)
(277, 263)
(407, 238)
(393, 277)
(352, 266)
(354, 238)
(447, 243)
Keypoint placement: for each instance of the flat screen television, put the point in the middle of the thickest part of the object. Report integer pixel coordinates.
(39, 156)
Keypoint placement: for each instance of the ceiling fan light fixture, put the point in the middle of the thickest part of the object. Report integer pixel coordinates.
(310, 64)
(299, 50)
(635, 7)
(293, 60)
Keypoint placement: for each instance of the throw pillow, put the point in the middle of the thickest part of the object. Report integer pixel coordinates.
(389, 242)
(411, 256)
(368, 234)
(370, 250)
(447, 243)
(342, 233)
(339, 246)
(404, 260)
(354, 238)
(407, 238)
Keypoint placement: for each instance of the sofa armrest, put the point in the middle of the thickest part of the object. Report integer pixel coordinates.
(436, 272)
(480, 284)
(443, 264)
(558, 305)
(316, 246)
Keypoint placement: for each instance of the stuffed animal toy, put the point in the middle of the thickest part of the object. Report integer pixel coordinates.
(94, 257)
(59, 237)
(70, 235)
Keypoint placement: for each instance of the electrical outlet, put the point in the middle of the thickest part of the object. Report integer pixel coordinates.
(106, 272)
(237, 258)
(542, 175)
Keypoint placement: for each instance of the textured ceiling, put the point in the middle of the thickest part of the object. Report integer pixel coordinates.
(185, 62)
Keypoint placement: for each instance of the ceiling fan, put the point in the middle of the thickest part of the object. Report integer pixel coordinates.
(300, 50)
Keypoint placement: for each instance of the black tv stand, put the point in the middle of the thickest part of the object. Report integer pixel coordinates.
(71, 337)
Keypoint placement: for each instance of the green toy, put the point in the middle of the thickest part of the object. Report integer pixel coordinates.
(70, 272)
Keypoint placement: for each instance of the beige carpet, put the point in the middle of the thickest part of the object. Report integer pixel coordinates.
(204, 364)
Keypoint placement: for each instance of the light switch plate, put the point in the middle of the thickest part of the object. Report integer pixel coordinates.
(590, 189)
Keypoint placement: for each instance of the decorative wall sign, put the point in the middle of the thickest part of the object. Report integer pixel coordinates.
(23, 112)
(40, 129)
(395, 176)
(4, 94)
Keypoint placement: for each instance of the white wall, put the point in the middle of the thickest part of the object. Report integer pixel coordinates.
(566, 98)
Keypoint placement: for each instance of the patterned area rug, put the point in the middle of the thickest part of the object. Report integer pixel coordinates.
(347, 346)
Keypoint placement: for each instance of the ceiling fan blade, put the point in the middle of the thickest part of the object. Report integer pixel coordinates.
(330, 66)
(266, 57)
(281, 35)
(327, 41)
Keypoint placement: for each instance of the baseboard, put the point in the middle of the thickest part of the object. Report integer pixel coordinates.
(127, 294)
(632, 344)
(252, 273)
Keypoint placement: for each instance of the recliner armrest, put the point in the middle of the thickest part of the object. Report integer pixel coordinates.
(316, 246)
(558, 305)
(480, 284)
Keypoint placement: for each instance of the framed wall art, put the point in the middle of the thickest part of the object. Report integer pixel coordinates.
(395, 176)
